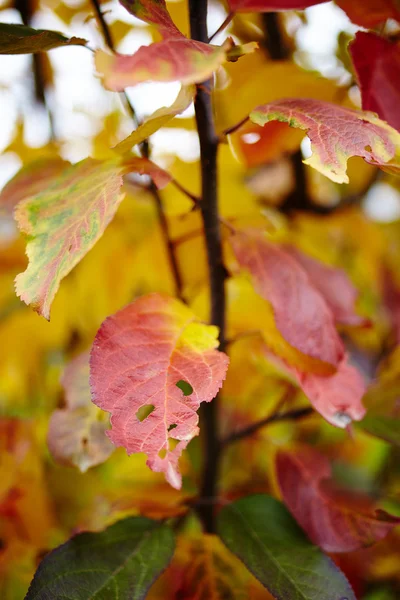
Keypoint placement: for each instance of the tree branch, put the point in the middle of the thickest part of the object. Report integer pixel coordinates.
(217, 274)
(145, 151)
(291, 415)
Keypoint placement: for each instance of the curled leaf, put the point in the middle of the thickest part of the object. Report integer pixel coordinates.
(335, 520)
(20, 39)
(139, 356)
(77, 433)
(336, 133)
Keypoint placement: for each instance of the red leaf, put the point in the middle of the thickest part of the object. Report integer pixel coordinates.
(377, 64)
(301, 313)
(369, 13)
(155, 13)
(138, 357)
(271, 5)
(334, 285)
(336, 521)
(336, 133)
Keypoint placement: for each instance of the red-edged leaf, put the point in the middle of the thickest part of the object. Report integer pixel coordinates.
(138, 357)
(67, 218)
(77, 433)
(369, 13)
(30, 180)
(336, 134)
(335, 520)
(301, 313)
(176, 59)
(271, 5)
(155, 13)
(377, 64)
(334, 285)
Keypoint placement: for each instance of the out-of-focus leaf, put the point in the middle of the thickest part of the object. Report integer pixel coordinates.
(301, 314)
(30, 180)
(158, 119)
(122, 562)
(20, 39)
(261, 532)
(77, 433)
(377, 64)
(369, 13)
(334, 285)
(65, 220)
(138, 358)
(336, 133)
(335, 520)
(271, 5)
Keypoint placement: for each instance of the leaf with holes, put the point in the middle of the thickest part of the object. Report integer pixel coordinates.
(20, 39)
(263, 534)
(301, 313)
(335, 520)
(120, 562)
(377, 64)
(336, 133)
(77, 433)
(271, 5)
(139, 356)
(65, 221)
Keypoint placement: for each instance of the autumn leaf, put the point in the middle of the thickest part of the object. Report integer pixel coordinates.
(271, 5)
(335, 520)
(31, 179)
(369, 13)
(377, 64)
(155, 13)
(334, 285)
(158, 119)
(301, 313)
(20, 39)
(65, 220)
(77, 433)
(139, 356)
(336, 133)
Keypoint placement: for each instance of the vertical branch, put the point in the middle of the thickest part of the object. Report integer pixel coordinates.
(145, 151)
(217, 274)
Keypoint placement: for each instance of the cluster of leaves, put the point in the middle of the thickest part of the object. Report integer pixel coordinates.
(304, 487)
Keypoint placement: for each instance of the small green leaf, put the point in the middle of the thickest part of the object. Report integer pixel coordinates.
(385, 427)
(120, 562)
(262, 533)
(20, 39)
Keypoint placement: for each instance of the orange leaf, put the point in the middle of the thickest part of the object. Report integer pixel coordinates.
(139, 356)
(369, 13)
(337, 521)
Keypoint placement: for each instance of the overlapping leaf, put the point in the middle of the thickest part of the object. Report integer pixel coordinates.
(20, 39)
(335, 520)
(377, 64)
(271, 5)
(261, 532)
(77, 433)
(138, 358)
(121, 562)
(301, 313)
(336, 134)
(369, 13)
(65, 220)
(155, 13)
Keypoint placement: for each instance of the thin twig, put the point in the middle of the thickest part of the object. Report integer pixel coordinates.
(291, 415)
(217, 273)
(222, 26)
(236, 127)
(185, 191)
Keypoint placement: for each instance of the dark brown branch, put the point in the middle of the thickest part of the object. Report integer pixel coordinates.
(291, 415)
(145, 151)
(224, 24)
(217, 274)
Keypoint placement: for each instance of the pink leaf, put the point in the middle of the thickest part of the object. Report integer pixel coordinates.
(138, 357)
(155, 13)
(377, 64)
(337, 521)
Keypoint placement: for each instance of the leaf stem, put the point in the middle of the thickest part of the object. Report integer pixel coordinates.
(236, 127)
(223, 25)
(291, 415)
(217, 273)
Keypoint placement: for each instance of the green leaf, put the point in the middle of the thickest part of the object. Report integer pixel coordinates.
(386, 427)
(20, 39)
(120, 562)
(262, 533)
